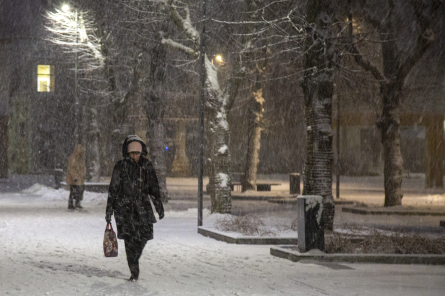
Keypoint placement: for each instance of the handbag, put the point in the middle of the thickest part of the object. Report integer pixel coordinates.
(110, 241)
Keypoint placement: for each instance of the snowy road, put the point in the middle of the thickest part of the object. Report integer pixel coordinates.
(47, 250)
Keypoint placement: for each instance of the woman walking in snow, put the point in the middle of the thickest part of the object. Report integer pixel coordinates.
(132, 185)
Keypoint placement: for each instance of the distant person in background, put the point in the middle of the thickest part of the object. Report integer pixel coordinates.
(133, 184)
(75, 177)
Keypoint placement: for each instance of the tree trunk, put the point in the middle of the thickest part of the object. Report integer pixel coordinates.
(154, 107)
(389, 125)
(156, 144)
(397, 63)
(217, 105)
(318, 89)
(434, 151)
(109, 130)
(255, 109)
(219, 154)
(255, 114)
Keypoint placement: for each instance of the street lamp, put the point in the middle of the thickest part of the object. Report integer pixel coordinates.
(202, 78)
(65, 8)
(218, 59)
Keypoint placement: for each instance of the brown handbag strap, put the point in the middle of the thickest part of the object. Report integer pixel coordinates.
(109, 227)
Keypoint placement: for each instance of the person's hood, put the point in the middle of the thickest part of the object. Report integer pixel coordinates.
(78, 150)
(132, 138)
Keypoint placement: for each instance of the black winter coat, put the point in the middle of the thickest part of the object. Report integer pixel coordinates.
(131, 186)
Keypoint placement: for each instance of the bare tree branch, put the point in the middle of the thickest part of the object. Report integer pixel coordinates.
(365, 64)
(180, 46)
(423, 41)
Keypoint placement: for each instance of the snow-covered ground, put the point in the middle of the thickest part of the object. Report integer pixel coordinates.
(47, 250)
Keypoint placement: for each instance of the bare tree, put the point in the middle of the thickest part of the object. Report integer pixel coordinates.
(255, 51)
(308, 29)
(400, 52)
(218, 104)
(75, 31)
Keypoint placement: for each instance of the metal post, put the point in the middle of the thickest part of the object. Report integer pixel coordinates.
(76, 98)
(337, 167)
(202, 78)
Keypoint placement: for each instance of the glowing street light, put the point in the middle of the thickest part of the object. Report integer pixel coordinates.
(218, 58)
(65, 8)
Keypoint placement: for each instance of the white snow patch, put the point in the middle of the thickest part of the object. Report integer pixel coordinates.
(363, 231)
(51, 194)
(190, 213)
(212, 74)
(178, 46)
(34, 189)
(223, 149)
(222, 120)
(188, 25)
(224, 179)
(3, 225)
(274, 224)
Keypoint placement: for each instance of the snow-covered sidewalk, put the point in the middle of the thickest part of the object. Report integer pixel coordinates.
(47, 250)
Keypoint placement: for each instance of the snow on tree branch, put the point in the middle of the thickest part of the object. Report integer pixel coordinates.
(184, 24)
(76, 33)
(180, 47)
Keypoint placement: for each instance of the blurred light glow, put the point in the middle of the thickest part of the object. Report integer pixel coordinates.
(166, 148)
(219, 58)
(65, 7)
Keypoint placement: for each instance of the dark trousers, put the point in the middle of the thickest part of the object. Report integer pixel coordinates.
(76, 192)
(133, 249)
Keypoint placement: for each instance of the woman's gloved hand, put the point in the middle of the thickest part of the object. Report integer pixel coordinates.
(108, 218)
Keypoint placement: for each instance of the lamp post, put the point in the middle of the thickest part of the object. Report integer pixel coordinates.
(202, 77)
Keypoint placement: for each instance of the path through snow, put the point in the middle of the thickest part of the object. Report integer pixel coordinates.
(47, 250)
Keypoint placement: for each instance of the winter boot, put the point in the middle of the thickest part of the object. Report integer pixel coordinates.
(70, 204)
(132, 279)
(78, 204)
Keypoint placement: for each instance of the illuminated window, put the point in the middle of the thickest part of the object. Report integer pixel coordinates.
(45, 78)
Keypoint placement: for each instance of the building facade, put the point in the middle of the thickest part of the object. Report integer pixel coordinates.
(36, 93)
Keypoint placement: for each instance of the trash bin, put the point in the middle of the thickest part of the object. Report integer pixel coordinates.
(58, 173)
